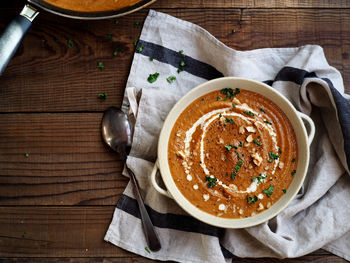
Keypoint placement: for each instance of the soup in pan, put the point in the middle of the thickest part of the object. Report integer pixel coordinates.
(233, 153)
(92, 5)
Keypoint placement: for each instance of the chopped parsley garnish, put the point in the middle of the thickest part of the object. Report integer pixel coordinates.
(279, 151)
(284, 191)
(229, 92)
(150, 59)
(116, 22)
(70, 43)
(269, 123)
(153, 77)
(100, 66)
(110, 36)
(293, 172)
(230, 120)
(248, 113)
(252, 200)
(137, 24)
(293, 160)
(233, 175)
(237, 167)
(259, 178)
(26, 155)
(233, 31)
(262, 109)
(257, 142)
(147, 249)
(220, 115)
(122, 50)
(171, 79)
(102, 96)
(182, 53)
(273, 157)
(233, 105)
(268, 191)
(211, 181)
(182, 63)
(228, 147)
(135, 43)
(240, 144)
(25, 234)
(218, 98)
(57, 213)
(139, 49)
(238, 155)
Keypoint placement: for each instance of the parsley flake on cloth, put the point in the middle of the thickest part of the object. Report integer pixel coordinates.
(153, 77)
(171, 79)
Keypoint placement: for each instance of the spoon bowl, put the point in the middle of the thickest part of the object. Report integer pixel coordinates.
(116, 131)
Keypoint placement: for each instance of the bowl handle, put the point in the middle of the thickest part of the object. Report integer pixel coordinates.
(155, 184)
(311, 124)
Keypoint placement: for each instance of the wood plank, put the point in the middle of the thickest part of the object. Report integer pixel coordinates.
(133, 259)
(252, 4)
(68, 163)
(56, 232)
(75, 234)
(138, 259)
(47, 76)
(229, 4)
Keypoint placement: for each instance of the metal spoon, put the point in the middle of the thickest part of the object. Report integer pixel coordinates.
(116, 132)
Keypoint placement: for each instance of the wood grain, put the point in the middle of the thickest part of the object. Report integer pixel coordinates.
(47, 76)
(68, 163)
(77, 232)
(252, 4)
(229, 4)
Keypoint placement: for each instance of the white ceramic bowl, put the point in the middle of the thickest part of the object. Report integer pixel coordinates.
(303, 139)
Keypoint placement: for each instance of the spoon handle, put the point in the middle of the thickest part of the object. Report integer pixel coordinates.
(148, 228)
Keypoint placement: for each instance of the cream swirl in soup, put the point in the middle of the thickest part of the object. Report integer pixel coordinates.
(232, 153)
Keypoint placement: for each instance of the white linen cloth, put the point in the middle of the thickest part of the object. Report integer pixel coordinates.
(317, 218)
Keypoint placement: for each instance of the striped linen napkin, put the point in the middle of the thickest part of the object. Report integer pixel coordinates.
(319, 215)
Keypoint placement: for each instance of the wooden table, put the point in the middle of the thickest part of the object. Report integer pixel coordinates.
(56, 203)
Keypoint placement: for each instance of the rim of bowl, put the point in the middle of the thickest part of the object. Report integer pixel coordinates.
(277, 207)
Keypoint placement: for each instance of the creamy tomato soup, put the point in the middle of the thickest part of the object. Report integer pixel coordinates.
(232, 153)
(92, 5)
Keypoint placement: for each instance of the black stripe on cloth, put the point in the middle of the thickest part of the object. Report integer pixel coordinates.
(268, 82)
(226, 253)
(172, 221)
(343, 106)
(294, 75)
(166, 55)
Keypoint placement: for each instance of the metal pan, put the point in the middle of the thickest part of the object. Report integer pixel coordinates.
(16, 30)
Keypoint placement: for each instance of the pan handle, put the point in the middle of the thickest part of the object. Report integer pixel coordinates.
(13, 34)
